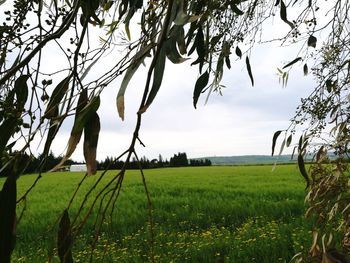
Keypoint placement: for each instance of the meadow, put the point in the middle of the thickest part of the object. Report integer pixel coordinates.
(204, 214)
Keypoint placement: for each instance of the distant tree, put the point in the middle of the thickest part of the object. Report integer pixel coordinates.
(178, 160)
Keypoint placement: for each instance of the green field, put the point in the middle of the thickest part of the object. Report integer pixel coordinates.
(240, 214)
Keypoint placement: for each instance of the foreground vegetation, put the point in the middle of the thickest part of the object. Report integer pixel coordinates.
(202, 214)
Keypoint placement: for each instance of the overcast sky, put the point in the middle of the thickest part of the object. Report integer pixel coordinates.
(241, 122)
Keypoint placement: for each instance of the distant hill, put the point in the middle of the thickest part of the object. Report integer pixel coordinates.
(249, 159)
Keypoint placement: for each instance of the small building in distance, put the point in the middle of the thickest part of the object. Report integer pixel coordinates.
(78, 168)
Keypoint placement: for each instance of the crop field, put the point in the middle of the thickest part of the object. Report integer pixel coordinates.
(206, 214)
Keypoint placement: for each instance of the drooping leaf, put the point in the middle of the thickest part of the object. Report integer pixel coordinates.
(201, 83)
(312, 41)
(236, 10)
(7, 129)
(64, 239)
(292, 62)
(8, 197)
(170, 45)
(305, 69)
(249, 70)
(21, 90)
(329, 85)
(157, 79)
(274, 139)
(228, 62)
(200, 48)
(302, 170)
(277, 2)
(282, 147)
(138, 59)
(91, 133)
(238, 52)
(283, 14)
(289, 140)
(56, 97)
(55, 122)
(80, 121)
(180, 39)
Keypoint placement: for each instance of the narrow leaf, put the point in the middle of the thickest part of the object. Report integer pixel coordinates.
(306, 70)
(249, 70)
(238, 52)
(157, 79)
(274, 139)
(312, 41)
(134, 65)
(236, 10)
(80, 121)
(228, 62)
(292, 62)
(282, 147)
(201, 83)
(8, 197)
(64, 239)
(302, 170)
(91, 133)
(329, 85)
(289, 140)
(56, 97)
(21, 90)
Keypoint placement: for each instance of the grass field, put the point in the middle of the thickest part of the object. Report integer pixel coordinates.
(240, 214)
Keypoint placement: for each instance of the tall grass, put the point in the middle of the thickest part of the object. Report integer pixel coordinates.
(240, 214)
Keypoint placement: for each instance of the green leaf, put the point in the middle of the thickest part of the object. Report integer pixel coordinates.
(283, 14)
(81, 118)
(91, 133)
(329, 85)
(64, 239)
(8, 197)
(157, 79)
(302, 170)
(312, 41)
(249, 70)
(200, 48)
(305, 69)
(180, 39)
(201, 83)
(228, 62)
(289, 140)
(238, 52)
(7, 129)
(56, 97)
(134, 65)
(274, 139)
(292, 62)
(170, 45)
(236, 10)
(21, 90)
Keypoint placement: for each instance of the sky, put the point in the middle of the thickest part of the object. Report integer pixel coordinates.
(240, 122)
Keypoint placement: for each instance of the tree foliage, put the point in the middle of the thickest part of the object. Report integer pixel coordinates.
(34, 102)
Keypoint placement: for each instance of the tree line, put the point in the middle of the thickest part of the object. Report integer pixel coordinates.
(178, 160)
(35, 164)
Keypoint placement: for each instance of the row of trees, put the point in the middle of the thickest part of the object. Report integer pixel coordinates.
(178, 160)
(36, 164)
